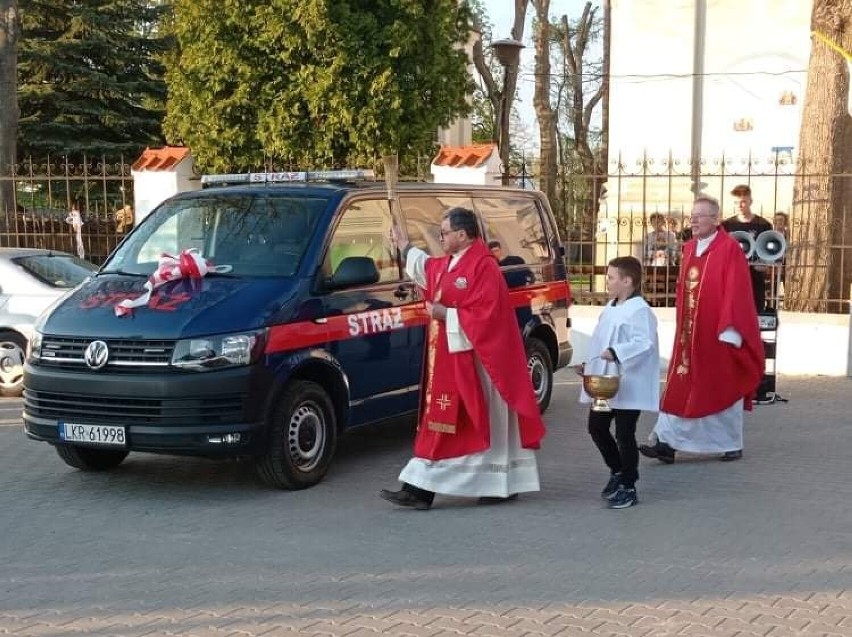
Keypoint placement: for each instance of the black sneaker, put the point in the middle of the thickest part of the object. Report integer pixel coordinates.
(623, 499)
(729, 456)
(661, 451)
(611, 487)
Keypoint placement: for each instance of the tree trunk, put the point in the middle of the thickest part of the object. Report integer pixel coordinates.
(541, 101)
(9, 30)
(574, 48)
(601, 172)
(822, 214)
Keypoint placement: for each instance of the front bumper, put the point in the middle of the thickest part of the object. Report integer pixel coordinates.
(176, 413)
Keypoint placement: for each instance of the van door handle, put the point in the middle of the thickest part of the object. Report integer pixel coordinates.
(403, 291)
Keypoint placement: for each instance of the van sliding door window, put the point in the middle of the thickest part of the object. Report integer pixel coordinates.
(516, 223)
(423, 219)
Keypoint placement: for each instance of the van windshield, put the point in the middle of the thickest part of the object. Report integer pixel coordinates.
(257, 235)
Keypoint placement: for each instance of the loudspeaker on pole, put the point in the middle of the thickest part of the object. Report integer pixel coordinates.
(746, 242)
(770, 246)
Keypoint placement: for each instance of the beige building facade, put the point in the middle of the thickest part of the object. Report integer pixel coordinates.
(722, 80)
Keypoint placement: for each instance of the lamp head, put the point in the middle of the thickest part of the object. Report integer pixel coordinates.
(508, 51)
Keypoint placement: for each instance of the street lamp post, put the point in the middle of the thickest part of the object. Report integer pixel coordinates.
(508, 54)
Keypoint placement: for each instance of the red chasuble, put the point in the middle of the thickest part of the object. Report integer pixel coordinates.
(705, 375)
(454, 413)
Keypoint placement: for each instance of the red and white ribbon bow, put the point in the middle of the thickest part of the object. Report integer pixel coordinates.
(189, 264)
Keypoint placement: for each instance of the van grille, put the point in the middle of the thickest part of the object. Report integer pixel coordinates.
(133, 410)
(59, 351)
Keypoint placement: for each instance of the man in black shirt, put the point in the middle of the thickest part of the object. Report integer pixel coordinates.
(746, 221)
(515, 277)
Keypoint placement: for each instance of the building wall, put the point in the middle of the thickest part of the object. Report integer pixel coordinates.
(755, 53)
(799, 336)
(460, 131)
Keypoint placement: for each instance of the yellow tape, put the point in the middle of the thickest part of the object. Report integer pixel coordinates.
(833, 45)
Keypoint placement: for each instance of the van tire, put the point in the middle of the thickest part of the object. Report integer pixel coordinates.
(302, 438)
(541, 372)
(88, 459)
(13, 349)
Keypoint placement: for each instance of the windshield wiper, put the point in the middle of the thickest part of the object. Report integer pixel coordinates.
(124, 272)
(145, 276)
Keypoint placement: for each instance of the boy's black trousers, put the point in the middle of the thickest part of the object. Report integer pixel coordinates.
(620, 453)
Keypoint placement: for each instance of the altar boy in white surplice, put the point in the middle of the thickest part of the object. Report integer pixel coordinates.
(625, 338)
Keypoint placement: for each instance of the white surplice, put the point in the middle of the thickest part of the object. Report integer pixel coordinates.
(630, 329)
(505, 468)
(716, 433)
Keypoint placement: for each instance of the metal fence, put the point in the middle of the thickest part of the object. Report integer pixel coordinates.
(644, 198)
(637, 193)
(44, 194)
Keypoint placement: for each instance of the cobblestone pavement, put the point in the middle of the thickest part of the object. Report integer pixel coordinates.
(170, 546)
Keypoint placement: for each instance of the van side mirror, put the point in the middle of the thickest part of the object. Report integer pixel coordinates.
(354, 271)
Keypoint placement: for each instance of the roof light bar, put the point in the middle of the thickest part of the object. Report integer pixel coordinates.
(349, 174)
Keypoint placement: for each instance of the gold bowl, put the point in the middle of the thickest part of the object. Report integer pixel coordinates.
(601, 387)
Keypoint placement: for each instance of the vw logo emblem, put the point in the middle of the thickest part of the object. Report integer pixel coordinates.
(96, 354)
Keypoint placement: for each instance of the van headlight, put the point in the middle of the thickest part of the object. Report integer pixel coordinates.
(217, 352)
(34, 346)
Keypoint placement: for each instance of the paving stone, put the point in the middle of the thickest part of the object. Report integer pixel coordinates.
(189, 547)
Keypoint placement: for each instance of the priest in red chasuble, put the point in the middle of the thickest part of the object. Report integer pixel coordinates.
(718, 357)
(479, 420)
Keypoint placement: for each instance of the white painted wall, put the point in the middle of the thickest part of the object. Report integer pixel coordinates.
(488, 174)
(807, 344)
(152, 187)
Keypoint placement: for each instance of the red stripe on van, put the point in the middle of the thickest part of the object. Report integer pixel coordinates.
(539, 294)
(304, 334)
(293, 336)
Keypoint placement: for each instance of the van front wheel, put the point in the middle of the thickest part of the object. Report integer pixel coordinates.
(541, 372)
(302, 438)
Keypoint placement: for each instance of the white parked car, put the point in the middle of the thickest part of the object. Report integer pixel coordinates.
(30, 281)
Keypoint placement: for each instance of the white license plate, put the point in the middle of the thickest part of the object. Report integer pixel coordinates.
(93, 434)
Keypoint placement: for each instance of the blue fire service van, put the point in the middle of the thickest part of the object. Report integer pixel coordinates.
(314, 329)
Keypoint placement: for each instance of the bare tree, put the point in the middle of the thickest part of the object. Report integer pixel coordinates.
(584, 89)
(9, 32)
(575, 44)
(501, 98)
(823, 187)
(545, 113)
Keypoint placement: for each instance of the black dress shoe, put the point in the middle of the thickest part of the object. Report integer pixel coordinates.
(490, 499)
(661, 451)
(405, 498)
(729, 456)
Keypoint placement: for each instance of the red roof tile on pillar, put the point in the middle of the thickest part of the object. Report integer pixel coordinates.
(161, 158)
(464, 156)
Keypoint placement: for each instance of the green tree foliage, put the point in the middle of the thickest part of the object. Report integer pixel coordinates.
(90, 77)
(313, 82)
